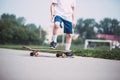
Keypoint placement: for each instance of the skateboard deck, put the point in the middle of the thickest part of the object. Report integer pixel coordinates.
(59, 53)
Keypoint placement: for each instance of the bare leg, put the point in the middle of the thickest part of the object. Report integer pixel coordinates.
(55, 28)
(68, 41)
(55, 31)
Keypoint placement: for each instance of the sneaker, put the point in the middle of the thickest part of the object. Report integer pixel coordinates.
(68, 53)
(53, 45)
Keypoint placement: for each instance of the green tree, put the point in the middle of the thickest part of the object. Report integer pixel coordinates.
(14, 31)
(7, 27)
(32, 26)
(109, 26)
(21, 20)
(86, 28)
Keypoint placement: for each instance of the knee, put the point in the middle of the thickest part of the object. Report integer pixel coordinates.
(69, 36)
(56, 25)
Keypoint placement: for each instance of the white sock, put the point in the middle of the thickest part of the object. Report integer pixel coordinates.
(67, 46)
(54, 38)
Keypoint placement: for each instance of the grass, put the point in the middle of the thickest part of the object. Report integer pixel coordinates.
(20, 47)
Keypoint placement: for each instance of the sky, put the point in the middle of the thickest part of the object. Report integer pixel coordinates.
(38, 11)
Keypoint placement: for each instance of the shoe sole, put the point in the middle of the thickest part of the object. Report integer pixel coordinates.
(52, 47)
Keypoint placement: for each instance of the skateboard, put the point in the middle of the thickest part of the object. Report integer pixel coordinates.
(59, 53)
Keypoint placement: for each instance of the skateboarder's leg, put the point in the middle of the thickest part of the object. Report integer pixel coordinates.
(53, 44)
(68, 31)
(55, 31)
(68, 42)
(57, 24)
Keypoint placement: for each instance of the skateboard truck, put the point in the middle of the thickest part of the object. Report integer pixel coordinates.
(60, 53)
(34, 53)
(64, 54)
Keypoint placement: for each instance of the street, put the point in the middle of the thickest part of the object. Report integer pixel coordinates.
(18, 65)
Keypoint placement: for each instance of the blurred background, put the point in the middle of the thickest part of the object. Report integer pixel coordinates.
(28, 21)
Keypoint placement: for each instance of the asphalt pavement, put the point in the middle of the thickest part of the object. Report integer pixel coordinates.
(18, 65)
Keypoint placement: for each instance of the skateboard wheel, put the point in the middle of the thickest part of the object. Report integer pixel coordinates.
(57, 55)
(36, 54)
(31, 54)
(64, 55)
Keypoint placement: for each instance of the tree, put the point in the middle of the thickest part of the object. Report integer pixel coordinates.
(21, 20)
(31, 26)
(109, 26)
(116, 27)
(14, 31)
(86, 28)
(7, 24)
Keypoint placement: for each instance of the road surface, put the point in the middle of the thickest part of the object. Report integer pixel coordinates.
(18, 65)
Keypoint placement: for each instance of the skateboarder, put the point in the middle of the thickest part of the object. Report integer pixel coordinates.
(63, 11)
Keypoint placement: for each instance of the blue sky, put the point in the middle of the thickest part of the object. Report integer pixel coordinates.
(38, 11)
